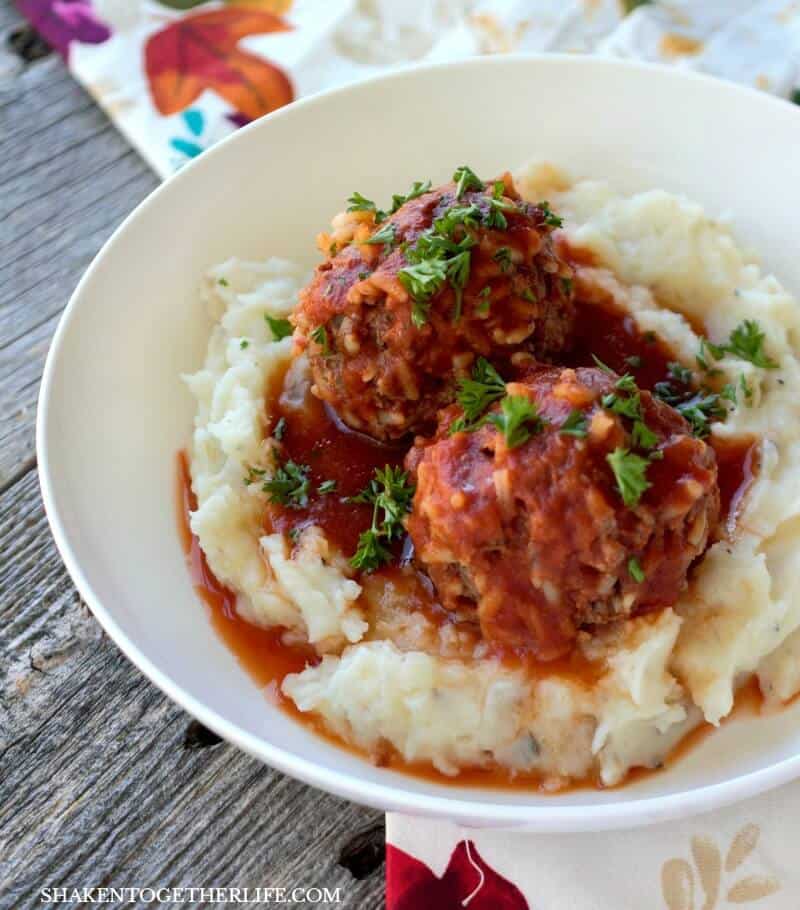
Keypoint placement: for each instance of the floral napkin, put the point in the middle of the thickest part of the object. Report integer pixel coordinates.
(742, 856)
(177, 75)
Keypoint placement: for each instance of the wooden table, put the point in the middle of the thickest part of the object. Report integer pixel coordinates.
(103, 780)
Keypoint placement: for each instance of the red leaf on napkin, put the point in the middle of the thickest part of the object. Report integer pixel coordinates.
(467, 882)
(199, 52)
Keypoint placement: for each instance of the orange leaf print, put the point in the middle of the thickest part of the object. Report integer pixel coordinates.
(199, 52)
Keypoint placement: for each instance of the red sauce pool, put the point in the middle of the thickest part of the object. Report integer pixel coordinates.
(313, 436)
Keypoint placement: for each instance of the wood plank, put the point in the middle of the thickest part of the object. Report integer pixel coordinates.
(67, 179)
(98, 785)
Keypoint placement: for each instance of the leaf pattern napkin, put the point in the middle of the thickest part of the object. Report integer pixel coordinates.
(177, 75)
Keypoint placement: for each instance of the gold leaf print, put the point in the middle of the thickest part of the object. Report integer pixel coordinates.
(742, 846)
(677, 884)
(752, 888)
(709, 866)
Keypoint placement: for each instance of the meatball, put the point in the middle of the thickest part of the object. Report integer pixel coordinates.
(595, 516)
(390, 326)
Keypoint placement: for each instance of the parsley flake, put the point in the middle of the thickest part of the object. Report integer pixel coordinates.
(326, 487)
(289, 485)
(359, 203)
(280, 328)
(418, 189)
(518, 420)
(503, 258)
(389, 493)
(386, 234)
(550, 217)
(475, 394)
(747, 342)
(466, 179)
(603, 366)
(635, 570)
(576, 425)
(280, 429)
(422, 281)
(630, 474)
(320, 336)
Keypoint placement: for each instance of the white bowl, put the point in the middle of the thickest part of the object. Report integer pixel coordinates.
(113, 411)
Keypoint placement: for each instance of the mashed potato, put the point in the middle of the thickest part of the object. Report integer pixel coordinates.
(388, 680)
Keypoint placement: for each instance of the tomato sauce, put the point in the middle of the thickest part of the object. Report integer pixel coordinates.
(315, 437)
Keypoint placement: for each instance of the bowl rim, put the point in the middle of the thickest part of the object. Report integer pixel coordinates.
(625, 813)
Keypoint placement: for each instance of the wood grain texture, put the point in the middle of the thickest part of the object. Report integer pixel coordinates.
(103, 781)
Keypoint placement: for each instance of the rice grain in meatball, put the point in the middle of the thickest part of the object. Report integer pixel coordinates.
(595, 516)
(405, 303)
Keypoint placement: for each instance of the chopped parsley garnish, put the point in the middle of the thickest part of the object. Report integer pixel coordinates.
(280, 328)
(280, 429)
(359, 203)
(485, 303)
(320, 336)
(679, 372)
(635, 570)
(566, 285)
(625, 407)
(386, 234)
(327, 486)
(575, 425)
(418, 189)
(289, 485)
(244, 343)
(642, 436)
(458, 275)
(550, 217)
(371, 552)
(475, 394)
(747, 342)
(700, 410)
(528, 295)
(503, 258)
(698, 407)
(389, 493)
(497, 205)
(634, 361)
(465, 179)
(626, 383)
(223, 281)
(603, 366)
(457, 216)
(422, 281)
(630, 473)
(518, 420)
